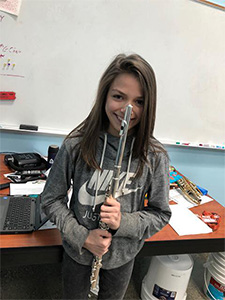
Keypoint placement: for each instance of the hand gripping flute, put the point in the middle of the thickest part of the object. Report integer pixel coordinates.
(97, 263)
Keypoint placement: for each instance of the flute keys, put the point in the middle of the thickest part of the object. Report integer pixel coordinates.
(103, 226)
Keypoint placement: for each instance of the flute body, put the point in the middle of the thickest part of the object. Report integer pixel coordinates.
(97, 263)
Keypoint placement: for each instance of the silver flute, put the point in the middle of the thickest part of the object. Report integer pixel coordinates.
(97, 263)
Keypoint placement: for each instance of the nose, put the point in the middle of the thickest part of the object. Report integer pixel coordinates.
(123, 109)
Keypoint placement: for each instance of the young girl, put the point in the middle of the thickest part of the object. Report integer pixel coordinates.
(86, 161)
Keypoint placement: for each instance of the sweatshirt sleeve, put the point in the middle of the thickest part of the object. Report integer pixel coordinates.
(55, 198)
(145, 223)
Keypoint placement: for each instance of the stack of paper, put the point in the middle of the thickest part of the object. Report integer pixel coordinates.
(185, 222)
(28, 188)
(177, 196)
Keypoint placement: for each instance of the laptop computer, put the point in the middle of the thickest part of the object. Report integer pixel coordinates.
(21, 214)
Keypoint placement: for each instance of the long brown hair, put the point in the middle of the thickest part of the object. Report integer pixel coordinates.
(97, 119)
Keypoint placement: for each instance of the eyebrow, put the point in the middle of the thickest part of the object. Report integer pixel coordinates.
(118, 91)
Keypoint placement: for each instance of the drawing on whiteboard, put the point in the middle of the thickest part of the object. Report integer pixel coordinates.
(8, 64)
(12, 75)
(9, 49)
(11, 6)
(1, 18)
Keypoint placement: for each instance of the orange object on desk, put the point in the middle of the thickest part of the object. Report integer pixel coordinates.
(211, 219)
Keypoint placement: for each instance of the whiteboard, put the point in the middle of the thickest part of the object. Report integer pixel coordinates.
(58, 50)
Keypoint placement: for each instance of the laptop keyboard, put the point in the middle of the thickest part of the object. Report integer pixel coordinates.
(18, 214)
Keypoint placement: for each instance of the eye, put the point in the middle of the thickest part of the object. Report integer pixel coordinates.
(140, 102)
(117, 97)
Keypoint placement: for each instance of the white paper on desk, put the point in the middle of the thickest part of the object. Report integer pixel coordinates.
(28, 188)
(205, 199)
(177, 196)
(47, 225)
(185, 222)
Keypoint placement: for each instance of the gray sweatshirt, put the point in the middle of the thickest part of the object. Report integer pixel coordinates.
(76, 216)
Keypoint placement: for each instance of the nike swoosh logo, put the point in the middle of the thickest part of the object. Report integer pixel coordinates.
(127, 191)
(86, 199)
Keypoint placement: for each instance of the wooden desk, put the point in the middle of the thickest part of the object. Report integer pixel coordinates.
(44, 246)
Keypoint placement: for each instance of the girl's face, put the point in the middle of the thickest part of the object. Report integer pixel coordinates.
(124, 90)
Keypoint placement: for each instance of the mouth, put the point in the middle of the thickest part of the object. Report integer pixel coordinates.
(120, 119)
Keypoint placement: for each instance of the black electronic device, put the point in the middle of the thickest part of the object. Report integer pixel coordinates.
(25, 161)
(21, 214)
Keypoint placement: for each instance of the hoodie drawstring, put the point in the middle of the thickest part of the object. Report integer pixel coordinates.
(101, 163)
(128, 166)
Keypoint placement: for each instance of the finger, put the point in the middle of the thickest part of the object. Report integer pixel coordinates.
(100, 252)
(105, 214)
(105, 234)
(114, 214)
(110, 209)
(110, 201)
(106, 244)
(103, 252)
(106, 207)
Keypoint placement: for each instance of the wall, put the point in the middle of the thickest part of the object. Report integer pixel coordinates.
(60, 49)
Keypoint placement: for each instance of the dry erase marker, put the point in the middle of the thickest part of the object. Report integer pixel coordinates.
(8, 64)
(186, 144)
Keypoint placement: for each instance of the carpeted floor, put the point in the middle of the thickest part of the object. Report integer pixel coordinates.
(44, 281)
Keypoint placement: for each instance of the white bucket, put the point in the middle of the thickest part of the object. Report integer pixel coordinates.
(167, 277)
(214, 287)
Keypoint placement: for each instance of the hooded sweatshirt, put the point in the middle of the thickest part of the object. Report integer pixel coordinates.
(75, 217)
